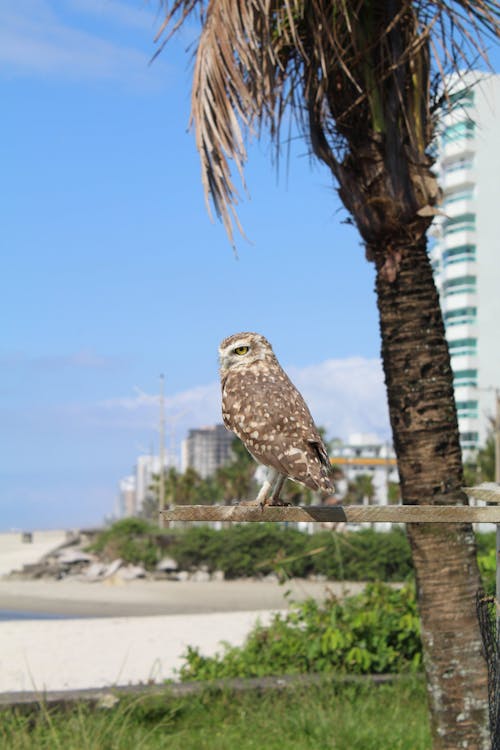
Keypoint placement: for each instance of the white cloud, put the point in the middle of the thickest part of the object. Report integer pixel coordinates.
(84, 359)
(191, 408)
(37, 40)
(344, 395)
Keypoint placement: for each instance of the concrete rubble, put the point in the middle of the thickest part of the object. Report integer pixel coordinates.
(71, 560)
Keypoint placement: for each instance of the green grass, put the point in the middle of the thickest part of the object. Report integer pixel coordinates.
(325, 716)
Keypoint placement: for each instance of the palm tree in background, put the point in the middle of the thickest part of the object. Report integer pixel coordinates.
(360, 490)
(360, 81)
(236, 479)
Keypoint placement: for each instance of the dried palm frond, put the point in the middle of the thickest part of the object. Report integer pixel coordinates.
(345, 72)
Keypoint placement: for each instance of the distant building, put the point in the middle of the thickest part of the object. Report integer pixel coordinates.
(136, 488)
(127, 497)
(465, 253)
(366, 454)
(206, 449)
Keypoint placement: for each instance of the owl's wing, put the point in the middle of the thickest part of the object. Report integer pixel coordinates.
(272, 419)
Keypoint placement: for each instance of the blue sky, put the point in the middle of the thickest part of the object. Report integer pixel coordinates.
(112, 271)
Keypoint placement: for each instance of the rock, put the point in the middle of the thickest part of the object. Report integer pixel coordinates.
(132, 572)
(271, 578)
(218, 575)
(94, 571)
(182, 575)
(110, 570)
(200, 576)
(107, 700)
(72, 556)
(167, 565)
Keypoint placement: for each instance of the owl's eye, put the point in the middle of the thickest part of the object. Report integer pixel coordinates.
(241, 350)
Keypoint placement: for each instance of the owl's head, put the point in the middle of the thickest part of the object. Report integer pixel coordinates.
(243, 349)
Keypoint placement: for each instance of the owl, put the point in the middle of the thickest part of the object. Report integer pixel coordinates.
(263, 408)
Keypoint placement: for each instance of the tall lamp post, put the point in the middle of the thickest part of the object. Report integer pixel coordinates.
(161, 493)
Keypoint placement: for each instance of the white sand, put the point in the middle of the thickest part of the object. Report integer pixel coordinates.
(129, 632)
(72, 654)
(100, 651)
(14, 553)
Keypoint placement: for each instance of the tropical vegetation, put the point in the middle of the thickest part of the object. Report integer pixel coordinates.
(363, 83)
(245, 550)
(375, 632)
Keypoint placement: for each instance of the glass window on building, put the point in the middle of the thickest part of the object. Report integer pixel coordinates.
(458, 164)
(468, 409)
(460, 285)
(466, 194)
(463, 98)
(465, 378)
(459, 254)
(462, 347)
(464, 315)
(469, 439)
(462, 223)
(459, 131)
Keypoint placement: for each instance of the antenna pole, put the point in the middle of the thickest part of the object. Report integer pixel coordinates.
(161, 493)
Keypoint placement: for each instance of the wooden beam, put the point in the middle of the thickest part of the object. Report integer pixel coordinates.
(336, 513)
(488, 491)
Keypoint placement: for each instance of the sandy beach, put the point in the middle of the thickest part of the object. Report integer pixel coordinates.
(114, 598)
(119, 633)
(14, 552)
(127, 634)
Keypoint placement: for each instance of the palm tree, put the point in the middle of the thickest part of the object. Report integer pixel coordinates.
(355, 77)
(360, 490)
(236, 479)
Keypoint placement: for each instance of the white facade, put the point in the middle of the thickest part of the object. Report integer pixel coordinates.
(135, 489)
(127, 505)
(366, 454)
(465, 256)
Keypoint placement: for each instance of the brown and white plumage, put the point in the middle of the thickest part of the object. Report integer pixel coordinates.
(263, 408)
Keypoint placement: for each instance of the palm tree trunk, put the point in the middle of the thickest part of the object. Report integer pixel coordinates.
(425, 429)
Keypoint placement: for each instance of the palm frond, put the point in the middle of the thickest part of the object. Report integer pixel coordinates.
(346, 73)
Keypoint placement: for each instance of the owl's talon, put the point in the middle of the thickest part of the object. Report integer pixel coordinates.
(275, 504)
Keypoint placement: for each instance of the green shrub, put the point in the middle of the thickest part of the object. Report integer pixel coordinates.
(253, 549)
(256, 549)
(243, 550)
(134, 540)
(364, 555)
(375, 632)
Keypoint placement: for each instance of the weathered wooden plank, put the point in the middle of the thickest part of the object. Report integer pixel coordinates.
(336, 513)
(488, 491)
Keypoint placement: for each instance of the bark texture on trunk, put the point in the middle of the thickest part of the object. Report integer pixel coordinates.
(423, 417)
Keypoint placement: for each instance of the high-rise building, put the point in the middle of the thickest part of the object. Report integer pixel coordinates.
(206, 449)
(135, 489)
(466, 251)
(127, 498)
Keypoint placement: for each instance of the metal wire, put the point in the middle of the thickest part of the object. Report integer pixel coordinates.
(488, 624)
